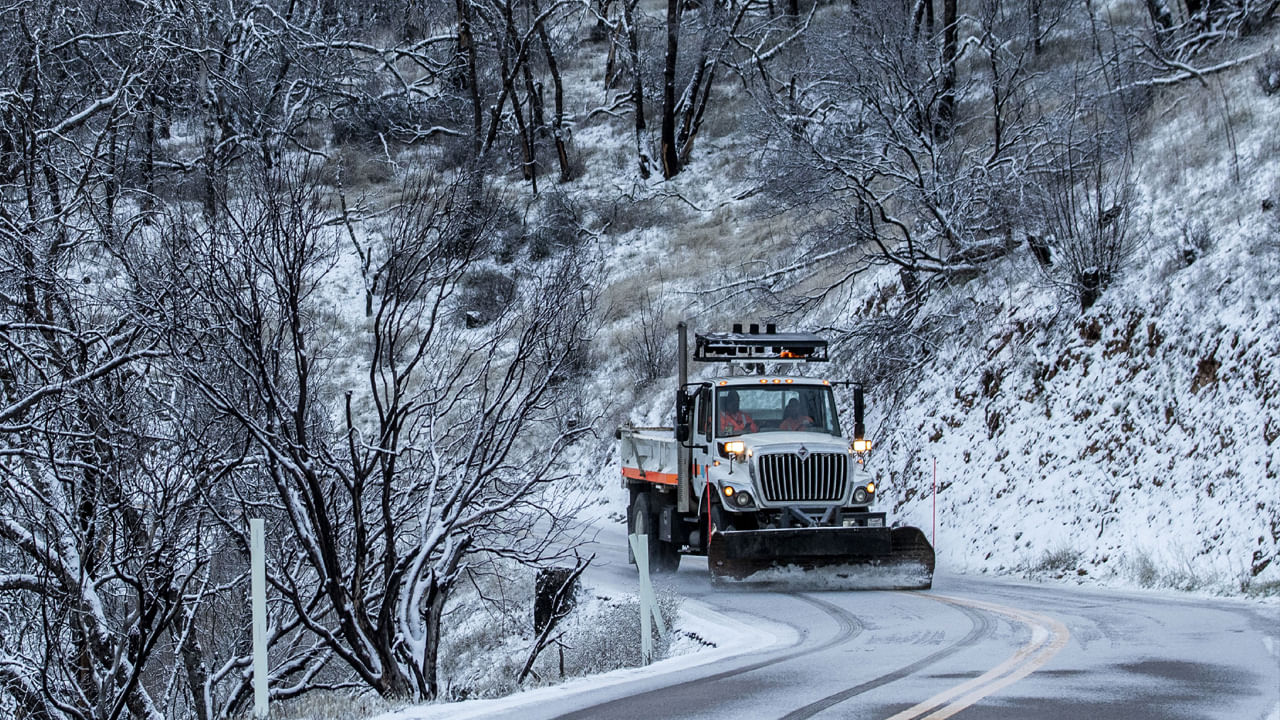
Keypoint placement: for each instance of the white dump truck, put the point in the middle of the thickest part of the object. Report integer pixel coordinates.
(759, 473)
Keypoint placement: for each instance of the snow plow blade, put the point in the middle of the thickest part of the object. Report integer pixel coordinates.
(870, 558)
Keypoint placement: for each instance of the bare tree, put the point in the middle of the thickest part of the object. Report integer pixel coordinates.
(443, 450)
(950, 55)
(83, 470)
(854, 145)
(728, 37)
(631, 32)
(102, 521)
(496, 68)
(649, 347)
(1087, 211)
(559, 130)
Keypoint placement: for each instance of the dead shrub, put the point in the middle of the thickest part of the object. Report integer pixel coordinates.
(1195, 240)
(558, 229)
(650, 347)
(483, 296)
(1059, 560)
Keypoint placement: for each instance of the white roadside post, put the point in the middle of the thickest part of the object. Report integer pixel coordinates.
(258, 592)
(648, 599)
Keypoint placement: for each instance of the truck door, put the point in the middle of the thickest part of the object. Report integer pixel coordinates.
(701, 439)
(704, 415)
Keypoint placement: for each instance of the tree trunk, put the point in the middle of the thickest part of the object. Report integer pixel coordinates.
(950, 43)
(637, 89)
(431, 649)
(698, 94)
(208, 169)
(557, 122)
(466, 48)
(600, 31)
(1161, 18)
(529, 130)
(923, 17)
(149, 159)
(197, 671)
(669, 154)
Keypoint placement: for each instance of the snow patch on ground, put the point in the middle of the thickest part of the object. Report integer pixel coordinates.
(702, 636)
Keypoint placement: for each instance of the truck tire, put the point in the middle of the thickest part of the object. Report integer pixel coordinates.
(664, 557)
(668, 557)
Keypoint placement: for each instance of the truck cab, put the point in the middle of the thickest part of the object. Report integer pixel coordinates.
(773, 451)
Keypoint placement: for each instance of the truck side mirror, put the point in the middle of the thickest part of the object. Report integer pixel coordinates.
(683, 406)
(859, 429)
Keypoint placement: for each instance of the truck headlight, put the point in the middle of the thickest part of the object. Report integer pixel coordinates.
(734, 496)
(864, 493)
(733, 448)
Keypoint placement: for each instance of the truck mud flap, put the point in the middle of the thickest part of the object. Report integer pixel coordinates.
(823, 557)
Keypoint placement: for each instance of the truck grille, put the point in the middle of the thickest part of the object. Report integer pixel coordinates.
(819, 477)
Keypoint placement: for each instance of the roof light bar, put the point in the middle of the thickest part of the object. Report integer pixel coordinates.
(755, 347)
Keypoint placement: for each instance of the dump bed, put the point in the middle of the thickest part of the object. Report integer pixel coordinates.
(648, 454)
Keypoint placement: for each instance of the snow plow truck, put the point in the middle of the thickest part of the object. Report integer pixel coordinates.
(759, 475)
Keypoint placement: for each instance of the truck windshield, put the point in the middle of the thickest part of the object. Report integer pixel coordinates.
(776, 408)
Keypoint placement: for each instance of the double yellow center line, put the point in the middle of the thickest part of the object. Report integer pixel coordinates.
(1048, 636)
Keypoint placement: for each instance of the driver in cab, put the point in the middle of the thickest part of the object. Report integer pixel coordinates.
(732, 420)
(793, 418)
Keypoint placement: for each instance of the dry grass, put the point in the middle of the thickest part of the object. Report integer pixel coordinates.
(331, 705)
(1061, 560)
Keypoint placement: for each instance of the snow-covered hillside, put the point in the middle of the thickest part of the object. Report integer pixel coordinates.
(1133, 443)
(1136, 441)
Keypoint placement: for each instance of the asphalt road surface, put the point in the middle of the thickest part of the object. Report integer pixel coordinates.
(972, 647)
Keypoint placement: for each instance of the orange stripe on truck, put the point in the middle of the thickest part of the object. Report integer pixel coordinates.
(653, 477)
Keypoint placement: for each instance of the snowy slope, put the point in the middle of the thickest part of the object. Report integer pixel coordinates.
(1138, 440)
(1136, 443)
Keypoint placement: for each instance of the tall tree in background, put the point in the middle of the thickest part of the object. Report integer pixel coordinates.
(668, 153)
(860, 122)
(442, 444)
(950, 53)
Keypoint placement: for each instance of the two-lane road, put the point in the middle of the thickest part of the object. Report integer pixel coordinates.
(972, 647)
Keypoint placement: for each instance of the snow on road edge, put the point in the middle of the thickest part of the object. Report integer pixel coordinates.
(731, 637)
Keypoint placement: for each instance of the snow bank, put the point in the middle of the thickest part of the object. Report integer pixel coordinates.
(702, 636)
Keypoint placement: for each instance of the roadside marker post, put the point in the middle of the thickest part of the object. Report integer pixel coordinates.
(258, 593)
(934, 540)
(648, 599)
